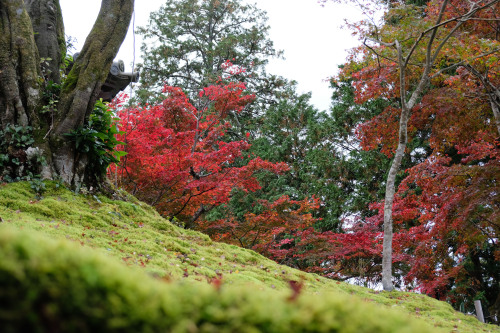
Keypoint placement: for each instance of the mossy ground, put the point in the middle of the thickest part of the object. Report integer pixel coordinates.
(132, 233)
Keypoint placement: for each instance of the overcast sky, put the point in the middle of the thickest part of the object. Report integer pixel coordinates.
(310, 35)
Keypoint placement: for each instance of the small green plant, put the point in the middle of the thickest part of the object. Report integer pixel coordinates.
(98, 138)
(18, 159)
(51, 97)
(16, 136)
(38, 185)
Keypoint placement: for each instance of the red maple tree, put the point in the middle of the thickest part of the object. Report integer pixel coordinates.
(178, 159)
(446, 208)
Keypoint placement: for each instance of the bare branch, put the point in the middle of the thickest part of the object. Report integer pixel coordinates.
(377, 54)
(380, 42)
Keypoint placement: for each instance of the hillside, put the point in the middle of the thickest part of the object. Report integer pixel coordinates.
(65, 257)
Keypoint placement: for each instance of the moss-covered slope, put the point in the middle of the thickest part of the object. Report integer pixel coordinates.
(67, 271)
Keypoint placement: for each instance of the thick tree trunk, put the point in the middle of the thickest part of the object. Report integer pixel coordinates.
(23, 77)
(48, 26)
(81, 88)
(20, 88)
(48, 29)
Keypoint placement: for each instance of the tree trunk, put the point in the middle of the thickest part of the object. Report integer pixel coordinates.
(433, 47)
(48, 26)
(19, 66)
(495, 107)
(28, 64)
(390, 189)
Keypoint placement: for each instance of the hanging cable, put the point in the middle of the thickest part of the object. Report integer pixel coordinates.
(124, 159)
(133, 52)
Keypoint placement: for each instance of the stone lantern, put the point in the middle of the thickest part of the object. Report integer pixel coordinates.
(116, 81)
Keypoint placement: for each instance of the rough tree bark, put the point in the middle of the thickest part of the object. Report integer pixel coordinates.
(31, 30)
(47, 22)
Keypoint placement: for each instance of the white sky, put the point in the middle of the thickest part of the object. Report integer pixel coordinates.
(310, 35)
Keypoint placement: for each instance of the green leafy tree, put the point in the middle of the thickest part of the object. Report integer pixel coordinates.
(294, 132)
(363, 171)
(194, 43)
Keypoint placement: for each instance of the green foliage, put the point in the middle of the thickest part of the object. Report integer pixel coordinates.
(67, 58)
(18, 159)
(196, 38)
(16, 136)
(323, 154)
(98, 139)
(50, 97)
(363, 172)
(38, 186)
(294, 132)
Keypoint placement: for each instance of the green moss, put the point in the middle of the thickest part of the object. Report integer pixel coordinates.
(56, 286)
(130, 233)
(71, 80)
